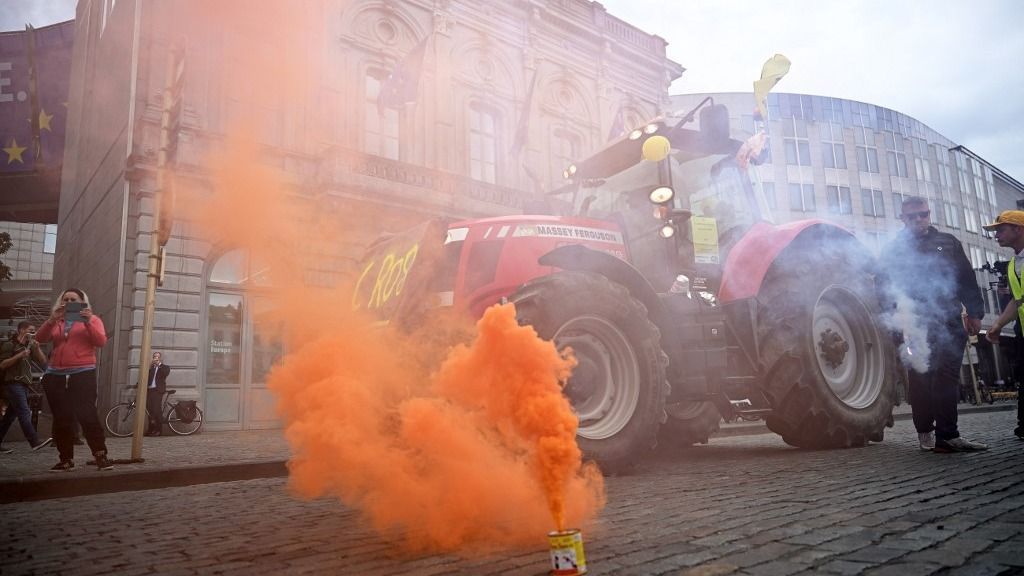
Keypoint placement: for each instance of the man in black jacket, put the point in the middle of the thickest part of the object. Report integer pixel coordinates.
(157, 380)
(929, 274)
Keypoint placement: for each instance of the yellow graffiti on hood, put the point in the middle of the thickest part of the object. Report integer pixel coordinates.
(391, 274)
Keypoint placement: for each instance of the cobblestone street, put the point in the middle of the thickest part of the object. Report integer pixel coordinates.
(742, 505)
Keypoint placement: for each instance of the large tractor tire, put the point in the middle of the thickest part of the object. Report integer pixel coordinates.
(827, 363)
(618, 387)
(689, 423)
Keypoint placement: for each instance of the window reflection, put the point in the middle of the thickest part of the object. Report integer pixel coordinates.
(267, 347)
(223, 364)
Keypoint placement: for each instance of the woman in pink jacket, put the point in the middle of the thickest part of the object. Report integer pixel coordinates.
(70, 379)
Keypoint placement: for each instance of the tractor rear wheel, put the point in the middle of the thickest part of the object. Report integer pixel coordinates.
(826, 360)
(618, 387)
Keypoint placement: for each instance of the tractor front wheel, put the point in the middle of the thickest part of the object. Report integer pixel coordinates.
(618, 387)
(827, 363)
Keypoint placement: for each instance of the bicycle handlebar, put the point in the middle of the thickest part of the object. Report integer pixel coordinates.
(134, 386)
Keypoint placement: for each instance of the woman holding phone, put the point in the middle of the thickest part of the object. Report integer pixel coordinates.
(70, 378)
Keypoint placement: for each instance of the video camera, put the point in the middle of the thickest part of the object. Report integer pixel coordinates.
(1002, 283)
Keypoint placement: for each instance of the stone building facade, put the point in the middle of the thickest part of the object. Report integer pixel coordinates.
(507, 94)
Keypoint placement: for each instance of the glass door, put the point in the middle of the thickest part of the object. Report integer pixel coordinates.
(224, 390)
(265, 348)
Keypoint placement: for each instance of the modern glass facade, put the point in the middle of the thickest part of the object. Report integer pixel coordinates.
(852, 163)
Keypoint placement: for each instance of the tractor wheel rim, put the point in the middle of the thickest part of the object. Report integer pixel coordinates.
(614, 386)
(847, 347)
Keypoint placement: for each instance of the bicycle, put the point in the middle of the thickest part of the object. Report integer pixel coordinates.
(183, 417)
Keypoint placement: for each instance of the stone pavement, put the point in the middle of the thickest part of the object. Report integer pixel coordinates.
(745, 505)
(203, 457)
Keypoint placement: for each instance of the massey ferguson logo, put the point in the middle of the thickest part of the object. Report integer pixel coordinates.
(572, 232)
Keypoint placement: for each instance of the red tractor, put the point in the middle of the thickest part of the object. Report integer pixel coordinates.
(681, 301)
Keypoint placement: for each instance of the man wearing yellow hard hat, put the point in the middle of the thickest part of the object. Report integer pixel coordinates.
(1009, 229)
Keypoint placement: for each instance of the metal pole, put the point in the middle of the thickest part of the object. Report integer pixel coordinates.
(974, 377)
(154, 265)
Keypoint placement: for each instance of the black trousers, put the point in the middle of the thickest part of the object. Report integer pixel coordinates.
(73, 397)
(154, 402)
(934, 394)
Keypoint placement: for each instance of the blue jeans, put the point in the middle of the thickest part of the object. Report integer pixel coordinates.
(17, 407)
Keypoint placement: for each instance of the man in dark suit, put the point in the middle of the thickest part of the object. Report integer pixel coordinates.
(157, 380)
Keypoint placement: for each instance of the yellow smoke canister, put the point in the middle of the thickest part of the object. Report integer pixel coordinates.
(567, 557)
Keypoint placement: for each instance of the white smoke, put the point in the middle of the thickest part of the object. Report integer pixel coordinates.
(906, 320)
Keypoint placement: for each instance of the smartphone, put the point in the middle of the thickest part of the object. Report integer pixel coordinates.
(72, 311)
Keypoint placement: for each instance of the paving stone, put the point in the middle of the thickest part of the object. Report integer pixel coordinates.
(749, 504)
(904, 569)
(873, 555)
(844, 568)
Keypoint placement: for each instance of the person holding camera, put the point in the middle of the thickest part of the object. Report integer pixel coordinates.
(70, 378)
(15, 355)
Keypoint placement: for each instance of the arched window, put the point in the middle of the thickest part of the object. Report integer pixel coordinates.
(381, 125)
(565, 149)
(237, 267)
(483, 143)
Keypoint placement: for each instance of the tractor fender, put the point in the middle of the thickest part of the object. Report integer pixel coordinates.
(753, 255)
(582, 259)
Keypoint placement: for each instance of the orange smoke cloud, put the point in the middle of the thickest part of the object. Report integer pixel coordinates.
(478, 456)
(451, 438)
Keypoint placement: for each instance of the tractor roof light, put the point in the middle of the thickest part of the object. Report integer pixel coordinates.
(636, 134)
(668, 230)
(651, 128)
(572, 169)
(662, 194)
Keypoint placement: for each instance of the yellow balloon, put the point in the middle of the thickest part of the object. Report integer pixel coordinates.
(656, 148)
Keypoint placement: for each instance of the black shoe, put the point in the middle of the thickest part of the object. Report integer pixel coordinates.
(77, 442)
(43, 444)
(1019, 432)
(6, 450)
(64, 466)
(102, 462)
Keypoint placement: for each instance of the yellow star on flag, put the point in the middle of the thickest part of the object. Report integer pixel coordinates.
(14, 151)
(44, 120)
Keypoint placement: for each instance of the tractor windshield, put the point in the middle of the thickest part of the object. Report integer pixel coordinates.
(712, 186)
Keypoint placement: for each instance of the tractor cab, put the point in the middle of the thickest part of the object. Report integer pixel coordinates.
(680, 208)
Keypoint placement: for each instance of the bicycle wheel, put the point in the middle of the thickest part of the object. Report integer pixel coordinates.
(182, 428)
(120, 420)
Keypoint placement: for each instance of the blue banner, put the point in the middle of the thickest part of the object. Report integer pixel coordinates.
(35, 72)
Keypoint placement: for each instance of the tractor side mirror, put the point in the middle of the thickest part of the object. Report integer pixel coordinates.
(714, 127)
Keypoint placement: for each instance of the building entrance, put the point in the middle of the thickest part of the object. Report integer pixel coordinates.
(242, 343)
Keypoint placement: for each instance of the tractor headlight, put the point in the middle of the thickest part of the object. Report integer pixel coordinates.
(650, 128)
(668, 230)
(636, 134)
(662, 194)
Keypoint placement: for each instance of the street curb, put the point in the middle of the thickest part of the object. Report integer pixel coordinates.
(755, 428)
(88, 481)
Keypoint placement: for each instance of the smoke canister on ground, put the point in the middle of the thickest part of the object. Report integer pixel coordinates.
(567, 557)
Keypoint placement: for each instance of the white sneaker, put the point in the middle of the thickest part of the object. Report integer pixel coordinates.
(927, 440)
